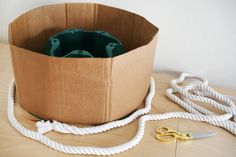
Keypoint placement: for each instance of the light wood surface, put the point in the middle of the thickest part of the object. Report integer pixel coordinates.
(13, 144)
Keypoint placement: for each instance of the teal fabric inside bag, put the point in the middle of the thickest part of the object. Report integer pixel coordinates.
(77, 43)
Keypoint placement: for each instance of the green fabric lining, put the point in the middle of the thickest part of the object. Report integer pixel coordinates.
(77, 43)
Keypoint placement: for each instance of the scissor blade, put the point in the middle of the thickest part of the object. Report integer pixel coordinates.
(202, 135)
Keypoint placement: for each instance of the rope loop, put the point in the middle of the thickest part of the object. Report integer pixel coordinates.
(197, 89)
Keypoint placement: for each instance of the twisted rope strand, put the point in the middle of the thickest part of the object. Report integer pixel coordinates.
(197, 90)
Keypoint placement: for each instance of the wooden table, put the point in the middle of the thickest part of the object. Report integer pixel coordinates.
(13, 144)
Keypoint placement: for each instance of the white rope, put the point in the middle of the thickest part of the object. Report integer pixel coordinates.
(196, 90)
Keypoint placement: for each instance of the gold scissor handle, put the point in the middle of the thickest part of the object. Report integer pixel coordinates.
(163, 130)
(167, 137)
(166, 134)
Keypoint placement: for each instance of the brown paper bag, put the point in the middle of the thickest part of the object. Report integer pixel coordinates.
(81, 90)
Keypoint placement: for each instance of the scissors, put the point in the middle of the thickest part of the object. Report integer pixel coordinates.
(166, 134)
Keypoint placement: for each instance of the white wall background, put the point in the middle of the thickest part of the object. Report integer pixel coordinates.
(197, 36)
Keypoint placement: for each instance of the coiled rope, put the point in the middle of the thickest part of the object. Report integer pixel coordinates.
(197, 90)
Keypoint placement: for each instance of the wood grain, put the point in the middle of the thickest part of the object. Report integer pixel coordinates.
(14, 144)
